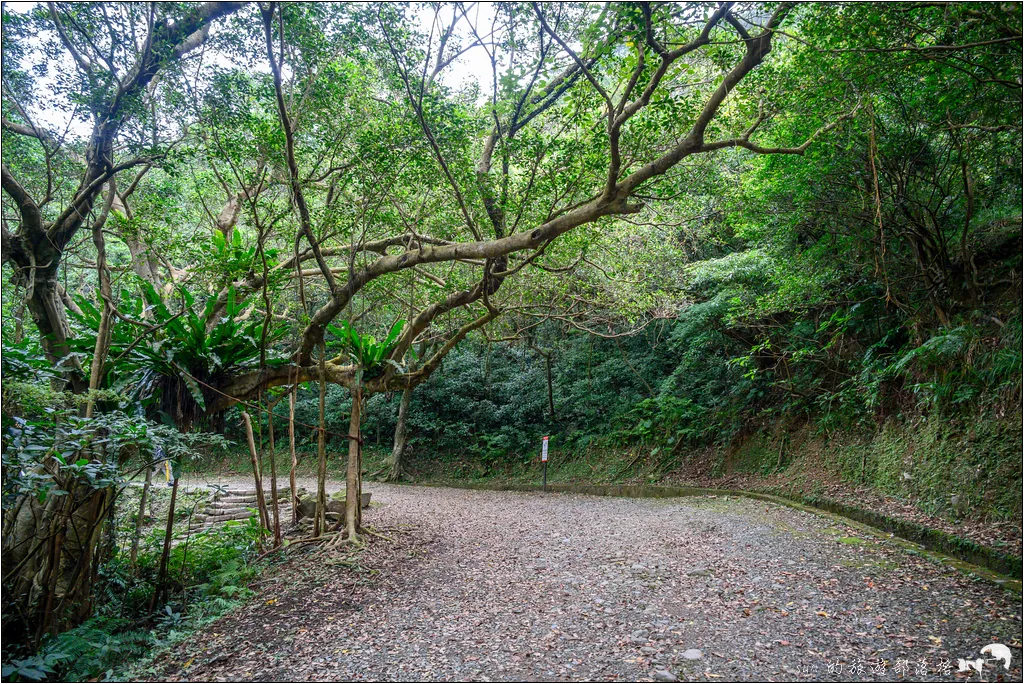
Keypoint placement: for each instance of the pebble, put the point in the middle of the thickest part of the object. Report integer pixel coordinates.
(693, 654)
(664, 676)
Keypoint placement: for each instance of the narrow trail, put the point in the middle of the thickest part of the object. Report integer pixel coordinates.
(480, 585)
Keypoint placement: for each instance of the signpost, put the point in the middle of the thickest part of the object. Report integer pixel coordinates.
(544, 460)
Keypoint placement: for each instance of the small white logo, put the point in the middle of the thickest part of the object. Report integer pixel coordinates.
(966, 665)
(999, 653)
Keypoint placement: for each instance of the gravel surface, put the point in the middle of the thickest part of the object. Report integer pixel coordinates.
(1006, 535)
(481, 585)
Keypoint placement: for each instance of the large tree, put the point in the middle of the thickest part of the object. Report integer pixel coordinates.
(365, 183)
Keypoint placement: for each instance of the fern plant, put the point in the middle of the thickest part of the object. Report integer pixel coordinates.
(365, 351)
(83, 653)
(171, 358)
(34, 668)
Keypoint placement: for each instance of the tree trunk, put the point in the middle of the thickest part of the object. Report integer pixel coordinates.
(401, 434)
(261, 503)
(160, 593)
(291, 449)
(109, 547)
(48, 552)
(99, 355)
(48, 313)
(352, 474)
(106, 294)
(551, 390)
(140, 519)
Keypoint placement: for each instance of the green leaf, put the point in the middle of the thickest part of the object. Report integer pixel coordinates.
(193, 387)
(219, 242)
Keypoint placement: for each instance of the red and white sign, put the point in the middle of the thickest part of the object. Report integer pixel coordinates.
(544, 450)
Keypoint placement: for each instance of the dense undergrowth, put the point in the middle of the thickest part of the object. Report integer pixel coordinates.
(208, 571)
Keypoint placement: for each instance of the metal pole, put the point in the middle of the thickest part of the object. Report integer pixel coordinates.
(545, 476)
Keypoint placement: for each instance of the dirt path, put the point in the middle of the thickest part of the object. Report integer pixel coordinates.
(507, 586)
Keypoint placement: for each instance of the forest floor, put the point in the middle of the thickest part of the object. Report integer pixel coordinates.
(485, 585)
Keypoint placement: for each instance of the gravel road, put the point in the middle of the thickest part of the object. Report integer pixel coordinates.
(480, 585)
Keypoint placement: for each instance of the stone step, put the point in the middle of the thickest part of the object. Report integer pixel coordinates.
(221, 505)
(251, 491)
(220, 512)
(250, 497)
(206, 520)
(235, 499)
(219, 518)
(240, 513)
(227, 505)
(231, 509)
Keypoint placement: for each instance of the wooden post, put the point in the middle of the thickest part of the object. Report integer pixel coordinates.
(291, 448)
(261, 503)
(161, 578)
(140, 518)
(320, 516)
(273, 477)
(352, 497)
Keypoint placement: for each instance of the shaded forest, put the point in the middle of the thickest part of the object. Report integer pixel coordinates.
(687, 240)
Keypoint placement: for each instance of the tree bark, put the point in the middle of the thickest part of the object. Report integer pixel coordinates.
(48, 547)
(401, 434)
(106, 293)
(48, 313)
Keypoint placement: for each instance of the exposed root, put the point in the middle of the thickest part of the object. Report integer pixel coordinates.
(322, 539)
(365, 530)
(342, 539)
